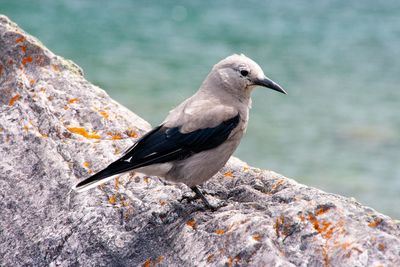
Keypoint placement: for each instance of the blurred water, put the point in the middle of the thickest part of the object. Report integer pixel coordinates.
(339, 127)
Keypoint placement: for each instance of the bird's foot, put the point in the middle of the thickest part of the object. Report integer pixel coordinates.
(189, 198)
(199, 194)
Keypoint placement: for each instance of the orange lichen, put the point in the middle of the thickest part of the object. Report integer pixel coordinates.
(220, 231)
(191, 223)
(131, 133)
(230, 262)
(66, 107)
(14, 99)
(73, 100)
(301, 217)
(101, 186)
(26, 60)
(277, 184)
(375, 222)
(228, 174)
(55, 67)
(163, 202)
(116, 183)
(381, 246)
(112, 199)
(278, 222)
(116, 150)
(83, 132)
(237, 258)
(324, 228)
(116, 137)
(86, 164)
(146, 180)
(39, 59)
(257, 237)
(210, 258)
(19, 39)
(233, 261)
(313, 220)
(327, 230)
(32, 82)
(26, 128)
(23, 48)
(327, 261)
(322, 209)
(124, 203)
(159, 259)
(148, 263)
(104, 114)
(345, 245)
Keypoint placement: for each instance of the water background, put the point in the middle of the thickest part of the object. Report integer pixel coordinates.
(339, 127)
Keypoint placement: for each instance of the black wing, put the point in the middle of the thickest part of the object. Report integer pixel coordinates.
(164, 144)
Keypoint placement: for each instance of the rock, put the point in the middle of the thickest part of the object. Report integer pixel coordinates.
(57, 128)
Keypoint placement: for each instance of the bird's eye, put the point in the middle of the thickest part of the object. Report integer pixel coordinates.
(244, 72)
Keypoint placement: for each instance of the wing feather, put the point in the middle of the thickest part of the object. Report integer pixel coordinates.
(163, 144)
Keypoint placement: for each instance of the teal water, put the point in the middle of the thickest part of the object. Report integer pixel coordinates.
(339, 127)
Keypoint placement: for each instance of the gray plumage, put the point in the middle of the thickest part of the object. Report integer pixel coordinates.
(198, 136)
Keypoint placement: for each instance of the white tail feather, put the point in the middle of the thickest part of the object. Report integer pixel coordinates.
(91, 185)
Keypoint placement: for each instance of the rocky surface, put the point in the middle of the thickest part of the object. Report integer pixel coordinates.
(57, 128)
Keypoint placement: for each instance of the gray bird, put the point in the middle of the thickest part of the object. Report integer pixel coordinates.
(198, 137)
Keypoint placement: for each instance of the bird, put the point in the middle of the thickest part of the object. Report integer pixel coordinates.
(198, 136)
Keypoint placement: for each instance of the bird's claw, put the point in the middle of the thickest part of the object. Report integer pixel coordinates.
(199, 194)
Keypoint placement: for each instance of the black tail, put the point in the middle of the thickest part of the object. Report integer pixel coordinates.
(103, 176)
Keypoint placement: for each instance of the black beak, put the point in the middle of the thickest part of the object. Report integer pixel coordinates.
(270, 84)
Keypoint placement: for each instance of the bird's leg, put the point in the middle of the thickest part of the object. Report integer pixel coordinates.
(199, 194)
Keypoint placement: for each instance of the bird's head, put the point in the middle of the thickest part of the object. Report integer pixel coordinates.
(239, 74)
